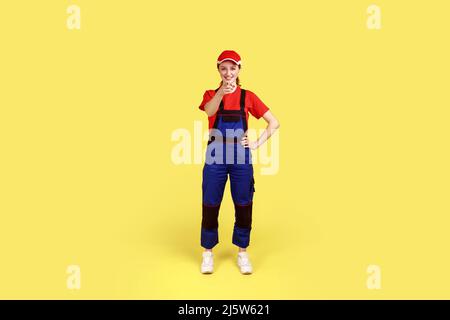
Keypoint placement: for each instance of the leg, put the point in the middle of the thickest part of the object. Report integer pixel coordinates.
(214, 180)
(242, 189)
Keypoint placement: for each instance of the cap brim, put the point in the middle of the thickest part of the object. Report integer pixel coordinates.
(237, 62)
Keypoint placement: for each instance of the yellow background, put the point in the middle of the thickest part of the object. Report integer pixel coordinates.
(86, 176)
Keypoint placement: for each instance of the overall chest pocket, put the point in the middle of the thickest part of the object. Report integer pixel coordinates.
(231, 118)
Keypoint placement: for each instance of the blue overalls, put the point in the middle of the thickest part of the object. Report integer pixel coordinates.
(225, 155)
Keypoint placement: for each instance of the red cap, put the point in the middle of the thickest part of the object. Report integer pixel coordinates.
(229, 55)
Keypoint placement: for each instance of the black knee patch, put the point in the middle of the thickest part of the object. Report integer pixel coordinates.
(243, 215)
(210, 217)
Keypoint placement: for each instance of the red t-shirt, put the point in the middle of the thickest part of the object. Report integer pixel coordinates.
(231, 101)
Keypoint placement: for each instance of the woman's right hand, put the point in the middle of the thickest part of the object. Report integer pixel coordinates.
(227, 87)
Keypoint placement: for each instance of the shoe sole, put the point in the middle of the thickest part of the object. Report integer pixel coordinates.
(244, 272)
(206, 272)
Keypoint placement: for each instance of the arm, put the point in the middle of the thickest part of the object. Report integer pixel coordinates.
(212, 105)
(272, 126)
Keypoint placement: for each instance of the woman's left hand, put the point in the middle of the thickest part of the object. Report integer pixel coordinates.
(249, 144)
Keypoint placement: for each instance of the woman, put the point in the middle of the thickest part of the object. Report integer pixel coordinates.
(228, 153)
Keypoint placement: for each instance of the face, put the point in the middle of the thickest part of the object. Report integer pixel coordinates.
(228, 71)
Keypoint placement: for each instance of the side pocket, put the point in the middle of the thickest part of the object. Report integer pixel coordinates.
(253, 184)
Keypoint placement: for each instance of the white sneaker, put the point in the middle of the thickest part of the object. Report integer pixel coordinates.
(208, 262)
(244, 263)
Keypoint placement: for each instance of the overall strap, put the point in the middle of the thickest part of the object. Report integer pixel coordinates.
(244, 116)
